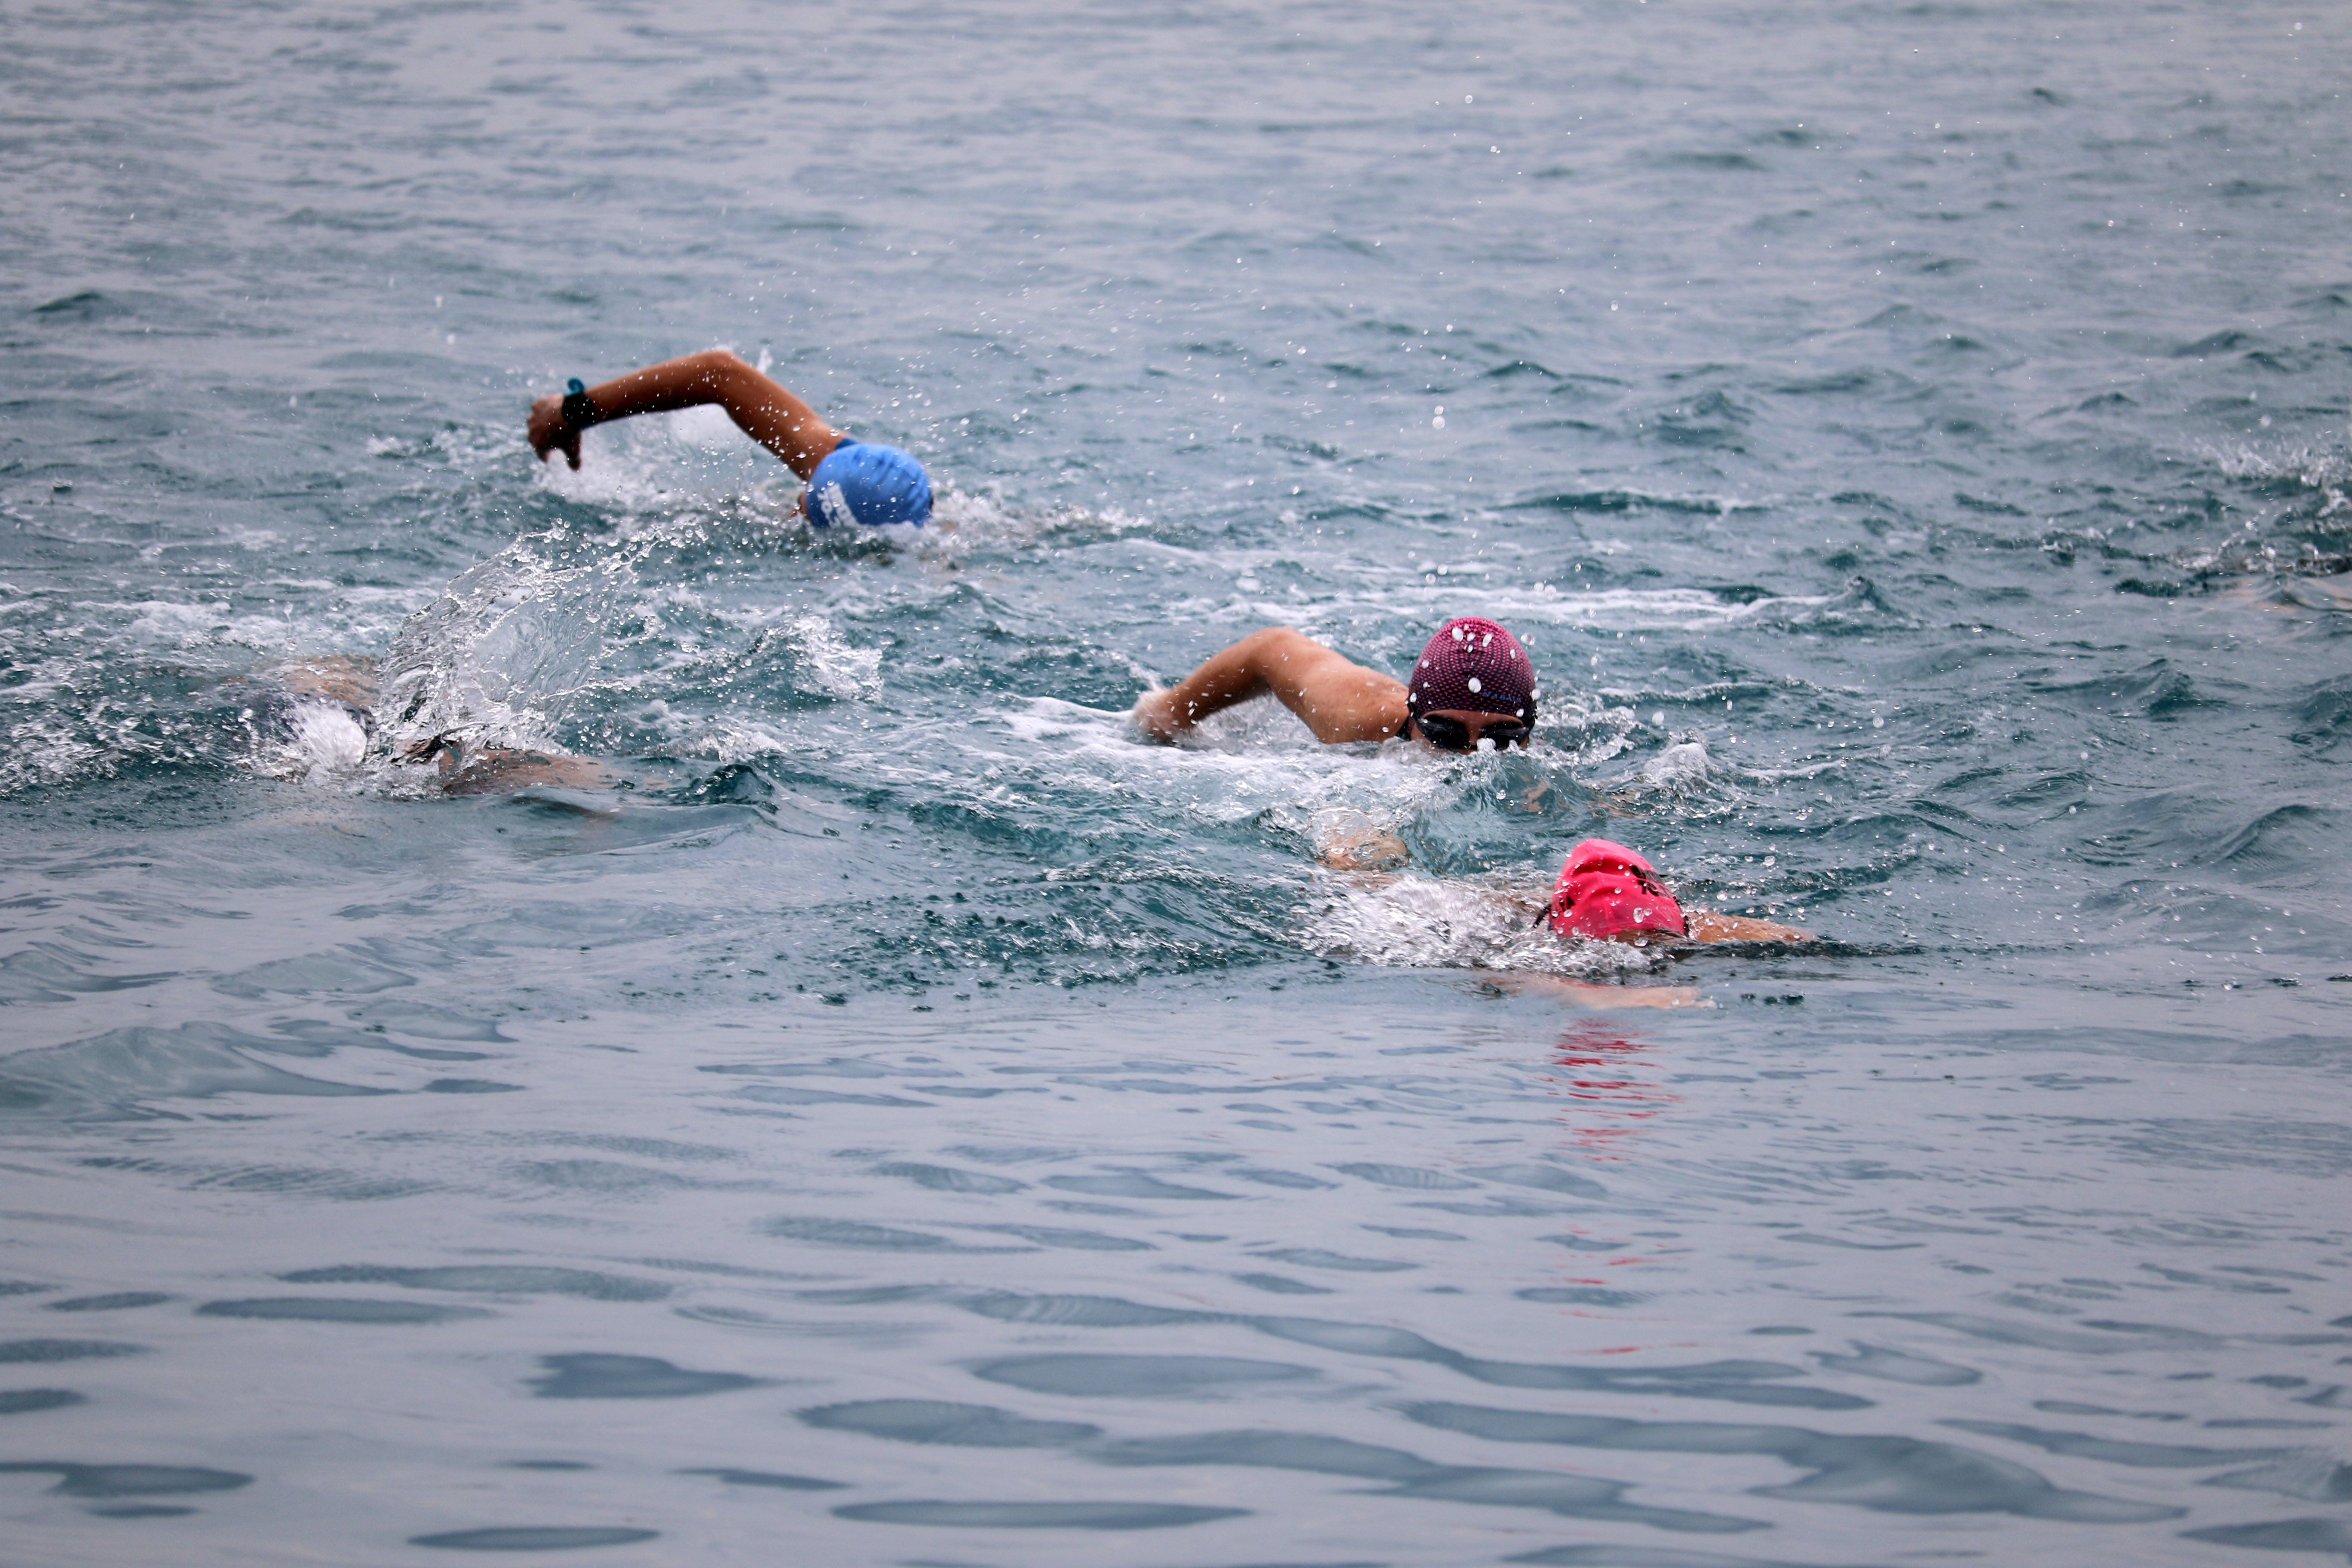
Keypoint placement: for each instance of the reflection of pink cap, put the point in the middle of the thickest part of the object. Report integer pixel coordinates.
(1606, 889)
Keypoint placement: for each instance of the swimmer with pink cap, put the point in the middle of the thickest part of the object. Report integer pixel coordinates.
(1606, 892)
(1473, 690)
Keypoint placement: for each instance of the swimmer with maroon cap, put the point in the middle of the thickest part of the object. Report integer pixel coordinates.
(1473, 690)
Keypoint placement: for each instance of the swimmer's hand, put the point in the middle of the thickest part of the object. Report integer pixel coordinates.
(1372, 852)
(1706, 927)
(1155, 717)
(1348, 840)
(549, 431)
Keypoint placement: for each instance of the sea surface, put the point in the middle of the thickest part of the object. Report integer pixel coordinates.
(890, 1114)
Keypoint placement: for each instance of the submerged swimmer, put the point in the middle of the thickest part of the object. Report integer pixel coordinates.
(1474, 690)
(849, 481)
(329, 714)
(325, 716)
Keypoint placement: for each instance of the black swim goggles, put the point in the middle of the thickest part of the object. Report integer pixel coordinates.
(1453, 735)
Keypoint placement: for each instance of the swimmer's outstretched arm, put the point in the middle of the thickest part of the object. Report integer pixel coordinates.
(1706, 927)
(762, 409)
(1338, 701)
(1582, 993)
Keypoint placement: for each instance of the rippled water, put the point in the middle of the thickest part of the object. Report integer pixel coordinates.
(903, 1120)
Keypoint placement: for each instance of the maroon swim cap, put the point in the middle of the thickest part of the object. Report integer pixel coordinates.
(1473, 665)
(1606, 889)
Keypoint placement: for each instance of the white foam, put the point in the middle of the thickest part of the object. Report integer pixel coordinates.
(184, 625)
(1421, 921)
(1682, 765)
(655, 463)
(830, 663)
(49, 746)
(2312, 468)
(323, 742)
(963, 521)
(495, 657)
(726, 738)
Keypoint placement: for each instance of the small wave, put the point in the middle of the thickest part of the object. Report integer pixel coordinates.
(832, 663)
(675, 472)
(1858, 607)
(2297, 472)
(489, 659)
(1518, 604)
(964, 522)
(1683, 765)
(1615, 500)
(1686, 781)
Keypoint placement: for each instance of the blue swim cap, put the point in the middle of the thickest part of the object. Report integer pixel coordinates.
(873, 485)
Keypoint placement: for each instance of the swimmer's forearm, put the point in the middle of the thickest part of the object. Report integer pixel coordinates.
(1224, 678)
(765, 410)
(1230, 676)
(1705, 926)
(1338, 700)
(768, 413)
(1270, 660)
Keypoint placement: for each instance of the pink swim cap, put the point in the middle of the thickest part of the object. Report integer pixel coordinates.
(1606, 889)
(1476, 665)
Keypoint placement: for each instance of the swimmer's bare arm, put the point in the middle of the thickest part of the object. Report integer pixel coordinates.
(338, 678)
(1582, 993)
(765, 411)
(1348, 840)
(1702, 926)
(495, 770)
(1339, 701)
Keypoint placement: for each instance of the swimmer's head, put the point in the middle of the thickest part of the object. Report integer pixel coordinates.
(1606, 890)
(1474, 666)
(869, 484)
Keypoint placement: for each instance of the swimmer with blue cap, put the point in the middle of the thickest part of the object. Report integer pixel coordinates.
(849, 481)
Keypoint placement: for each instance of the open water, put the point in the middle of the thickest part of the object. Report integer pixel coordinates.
(907, 1120)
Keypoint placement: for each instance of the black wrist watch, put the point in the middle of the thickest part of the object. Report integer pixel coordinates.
(578, 408)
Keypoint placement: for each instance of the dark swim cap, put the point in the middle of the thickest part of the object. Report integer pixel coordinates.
(1473, 665)
(869, 484)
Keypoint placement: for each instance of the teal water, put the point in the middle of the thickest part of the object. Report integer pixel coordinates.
(906, 1119)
